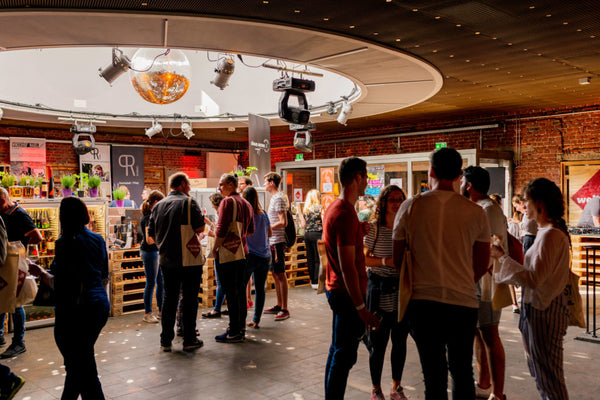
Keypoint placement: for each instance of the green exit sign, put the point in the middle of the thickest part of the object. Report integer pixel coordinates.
(440, 145)
(300, 157)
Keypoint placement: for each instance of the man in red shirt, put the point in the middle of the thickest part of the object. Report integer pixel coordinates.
(346, 277)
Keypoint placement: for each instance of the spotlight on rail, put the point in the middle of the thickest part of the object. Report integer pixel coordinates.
(154, 129)
(119, 65)
(224, 70)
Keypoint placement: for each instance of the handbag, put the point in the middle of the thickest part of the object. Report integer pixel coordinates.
(232, 249)
(191, 248)
(406, 271)
(502, 297)
(9, 271)
(574, 302)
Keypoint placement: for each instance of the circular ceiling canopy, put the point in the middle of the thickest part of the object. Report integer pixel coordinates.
(60, 77)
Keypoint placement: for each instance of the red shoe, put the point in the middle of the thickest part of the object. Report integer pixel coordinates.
(249, 304)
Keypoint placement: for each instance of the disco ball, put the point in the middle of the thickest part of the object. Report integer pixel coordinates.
(164, 82)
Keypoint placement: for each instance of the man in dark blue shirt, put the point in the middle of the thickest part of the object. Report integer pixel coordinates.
(166, 220)
(19, 227)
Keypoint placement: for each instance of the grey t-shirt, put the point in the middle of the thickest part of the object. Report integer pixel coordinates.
(591, 209)
(277, 204)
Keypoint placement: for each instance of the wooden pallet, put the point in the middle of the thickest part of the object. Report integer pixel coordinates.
(579, 258)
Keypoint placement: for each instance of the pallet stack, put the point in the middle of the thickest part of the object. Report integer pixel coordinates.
(208, 287)
(127, 281)
(295, 267)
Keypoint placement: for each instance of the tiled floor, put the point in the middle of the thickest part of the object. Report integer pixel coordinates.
(281, 360)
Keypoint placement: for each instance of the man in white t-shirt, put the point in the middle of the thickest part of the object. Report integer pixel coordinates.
(449, 237)
(475, 184)
(278, 206)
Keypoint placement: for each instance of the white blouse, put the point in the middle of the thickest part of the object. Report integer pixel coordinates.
(545, 271)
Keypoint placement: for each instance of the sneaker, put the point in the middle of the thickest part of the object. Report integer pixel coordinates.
(165, 348)
(229, 338)
(398, 394)
(13, 350)
(212, 314)
(314, 286)
(282, 315)
(14, 384)
(196, 344)
(273, 310)
(494, 397)
(516, 309)
(2, 340)
(149, 318)
(482, 393)
(377, 395)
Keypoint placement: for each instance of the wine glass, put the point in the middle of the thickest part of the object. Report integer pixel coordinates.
(33, 252)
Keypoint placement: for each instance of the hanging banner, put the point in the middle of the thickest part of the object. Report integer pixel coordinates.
(259, 154)
(97, 162)
(27, 156)
(128, 169)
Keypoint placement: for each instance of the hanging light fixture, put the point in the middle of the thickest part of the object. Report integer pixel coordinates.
(162, 78)
(154, 129)
(119, 65)
(344, 113)
(224, 70)
(187, 130)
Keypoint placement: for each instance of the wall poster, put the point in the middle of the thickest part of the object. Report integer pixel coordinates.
(581, 182)
(97, 162)
(128, 169)
(375, 179)
(27, 156)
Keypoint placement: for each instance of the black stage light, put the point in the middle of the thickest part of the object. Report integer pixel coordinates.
(294, 115)
(119, 65)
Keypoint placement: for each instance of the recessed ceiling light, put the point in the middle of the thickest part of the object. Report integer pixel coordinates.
(494, 38)
(451, 56)
(565, 23)
(297, 11)
(375, 33)
(438, 17)
(525, 49)
(458, 25)
(585, 81)
(388, 1)
(592, 36)
(144, 4)
(578, 30)
(509, 43)
(548, 15)
(415, 9)
(397, 39)
(434, 51)
(468, 61)
(325, 19)
(531, 7)
(477, 33)
(352, 27)
(265, 1)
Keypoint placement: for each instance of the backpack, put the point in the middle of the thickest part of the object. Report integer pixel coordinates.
(290, 229)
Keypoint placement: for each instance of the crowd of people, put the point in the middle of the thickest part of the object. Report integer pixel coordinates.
(458, 243)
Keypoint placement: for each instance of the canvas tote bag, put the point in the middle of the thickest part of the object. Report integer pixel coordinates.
(191, 248)
(232, 249)
(406, 271)
(9, 272)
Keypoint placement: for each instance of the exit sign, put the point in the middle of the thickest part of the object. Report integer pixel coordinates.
(300, 157)
(440, 145)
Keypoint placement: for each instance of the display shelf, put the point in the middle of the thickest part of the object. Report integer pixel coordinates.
(579, 259)
(128, 281)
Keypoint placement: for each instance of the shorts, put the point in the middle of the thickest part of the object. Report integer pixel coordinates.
(487, 316)
(279, 266)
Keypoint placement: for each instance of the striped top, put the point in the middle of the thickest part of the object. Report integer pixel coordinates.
(383, 248)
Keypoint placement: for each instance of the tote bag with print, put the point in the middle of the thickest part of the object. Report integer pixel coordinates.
(191, 248)
(232, 249)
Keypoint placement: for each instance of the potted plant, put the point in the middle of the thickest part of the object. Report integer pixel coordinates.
(119, 196)
(9, 181)
(94, 182)
(67, 182)
(240, 171)
(83, 183)
(26, 182)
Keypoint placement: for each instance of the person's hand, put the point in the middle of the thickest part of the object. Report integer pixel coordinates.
(496, 251)
(36, 270)
(370, 320)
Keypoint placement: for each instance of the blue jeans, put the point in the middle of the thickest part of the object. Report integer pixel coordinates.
(259, 266)
(444, 336)
(346, 332)
(18, 323)
(220, 298)
(153, 278)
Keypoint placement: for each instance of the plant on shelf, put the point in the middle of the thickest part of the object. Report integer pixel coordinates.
(94, 182)
(82, 183)
(25, 180)
(240, 171)
(7, 180)
(67, 182)
(119, 196)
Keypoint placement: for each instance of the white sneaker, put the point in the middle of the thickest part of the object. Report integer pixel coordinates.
(314, 286)
(515, 309)
(494, 397)
(149, 318)
(482, 393)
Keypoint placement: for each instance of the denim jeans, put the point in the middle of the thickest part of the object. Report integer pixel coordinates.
(379, 340)
(153, 278)
(220, 297)
(259, 267)
(18, 323)
(441, 329)
(187, 281)
(312, 255)
(346, 332)
(233, 281)
(75, 336)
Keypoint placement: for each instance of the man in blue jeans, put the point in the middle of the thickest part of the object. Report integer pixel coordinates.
(346, 277)
(19, 227)
(449, 238)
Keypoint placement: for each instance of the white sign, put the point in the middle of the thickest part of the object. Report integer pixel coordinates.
(298, 194)
(397, 182)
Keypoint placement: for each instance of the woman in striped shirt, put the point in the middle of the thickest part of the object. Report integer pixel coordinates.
(382, 294)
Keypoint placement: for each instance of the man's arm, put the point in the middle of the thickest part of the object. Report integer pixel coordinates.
(282, 220)
(347, 266)
(481, 259)
(35, 236)
(398, 252)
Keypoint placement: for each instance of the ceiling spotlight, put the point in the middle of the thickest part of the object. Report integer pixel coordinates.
(119, 65)
(585, 81)
(345, 113)
(187, 130)
(83, 142)
(224, 70)
(154, 129)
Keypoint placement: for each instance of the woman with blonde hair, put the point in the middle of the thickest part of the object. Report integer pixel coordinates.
(311, 219)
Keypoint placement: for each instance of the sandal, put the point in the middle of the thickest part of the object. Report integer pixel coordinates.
(253, 324)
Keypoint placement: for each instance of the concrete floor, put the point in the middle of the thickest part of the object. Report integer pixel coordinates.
(281, 360)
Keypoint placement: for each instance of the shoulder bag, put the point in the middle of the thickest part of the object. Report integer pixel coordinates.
(406, 272)
(191, 248)
(574, 302)
(232, 249)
